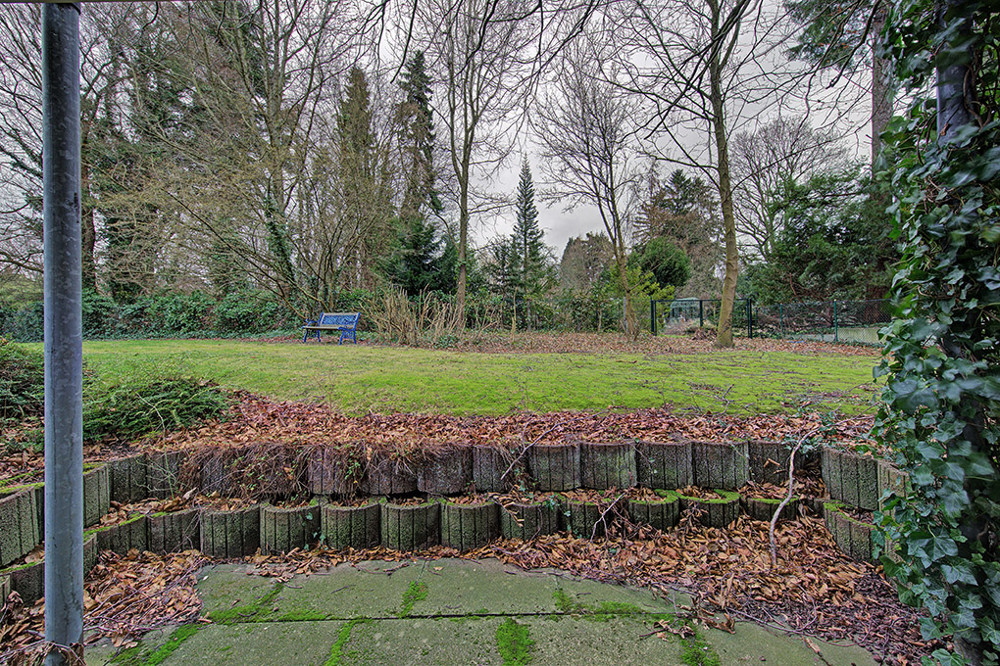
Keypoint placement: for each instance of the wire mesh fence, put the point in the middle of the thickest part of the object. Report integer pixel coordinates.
(684, 314)
(856, 322)
(852, 322)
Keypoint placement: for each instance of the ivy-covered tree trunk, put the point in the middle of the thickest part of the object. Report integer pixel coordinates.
(942, 358)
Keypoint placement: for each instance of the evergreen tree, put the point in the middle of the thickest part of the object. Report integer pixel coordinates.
(528, 248)
(504, 271)
(364, 184)
(418, 138)
(420, 260)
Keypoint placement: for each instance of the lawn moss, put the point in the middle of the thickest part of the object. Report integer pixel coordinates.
(417, 591)
(421, 380)
(514, 643)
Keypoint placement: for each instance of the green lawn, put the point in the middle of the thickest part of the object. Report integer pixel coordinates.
(356, 379)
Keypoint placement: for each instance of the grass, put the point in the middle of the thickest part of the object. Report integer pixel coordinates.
(356, 379)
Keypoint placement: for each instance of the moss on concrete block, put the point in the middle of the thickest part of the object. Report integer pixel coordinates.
(411, 527)
(588, 520)
(174, 532)
(555, 467)
(855, 538)
(716, 512)
(96, 494)
(607, 465)
(469, 526)
(526, 521)
(346, 527)
(28, 581)
(763, 509)
(19, 529)
(447, 471)
(664, 464)
(851, 478)
(230, 533)
(122, 537)
(723, 465)
(661, 514)
(282, 530)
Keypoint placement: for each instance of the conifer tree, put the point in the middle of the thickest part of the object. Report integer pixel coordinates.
(418, 138)
(528, 248)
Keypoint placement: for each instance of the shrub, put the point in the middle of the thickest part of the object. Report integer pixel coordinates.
(21, 381)
(99, 314)
(250, 311)
(178, 312)
(148, 405)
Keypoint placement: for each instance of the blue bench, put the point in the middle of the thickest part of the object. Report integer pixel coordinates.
(345, 322)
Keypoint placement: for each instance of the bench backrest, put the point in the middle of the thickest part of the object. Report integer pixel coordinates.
(344, 319)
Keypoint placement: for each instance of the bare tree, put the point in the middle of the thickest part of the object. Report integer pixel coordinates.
(584, 126)
(480, 52)
(20, 125)
(781, 150)
(701, 65)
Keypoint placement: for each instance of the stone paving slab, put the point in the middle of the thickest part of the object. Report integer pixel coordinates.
(263, 643)
(371, 614)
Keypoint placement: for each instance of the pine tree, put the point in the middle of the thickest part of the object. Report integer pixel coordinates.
(530, 253)
(418, 138)
(363, 184)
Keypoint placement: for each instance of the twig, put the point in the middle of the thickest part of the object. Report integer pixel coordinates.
(788, 497)
(601, 519)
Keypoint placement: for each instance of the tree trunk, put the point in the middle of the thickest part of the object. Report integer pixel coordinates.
(88, 235)
(724, 334)
(881, 87)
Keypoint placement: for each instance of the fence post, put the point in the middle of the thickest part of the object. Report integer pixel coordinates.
(749, 318)
(781, 319)
(652, 316)
(701, 313)
(836, 328)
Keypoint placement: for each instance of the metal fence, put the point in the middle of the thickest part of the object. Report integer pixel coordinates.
(855, 322)
(682, 314)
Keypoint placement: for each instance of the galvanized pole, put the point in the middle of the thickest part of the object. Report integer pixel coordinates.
(953, 110)
(63, 330)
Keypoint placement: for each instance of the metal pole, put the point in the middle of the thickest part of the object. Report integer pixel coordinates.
(701, 313)
(652, 316)
(749, 318)
(63, 328)
(952, 97)
(836, 329)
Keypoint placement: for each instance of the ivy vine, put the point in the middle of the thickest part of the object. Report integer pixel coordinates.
(942, 354)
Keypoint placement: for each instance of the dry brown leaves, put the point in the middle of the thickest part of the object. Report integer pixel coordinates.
(281, 432)
(124, 597)
(256, 420)
(568, 342)
(814, 589)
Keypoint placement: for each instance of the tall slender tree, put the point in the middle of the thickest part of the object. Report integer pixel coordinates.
(529, 249)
